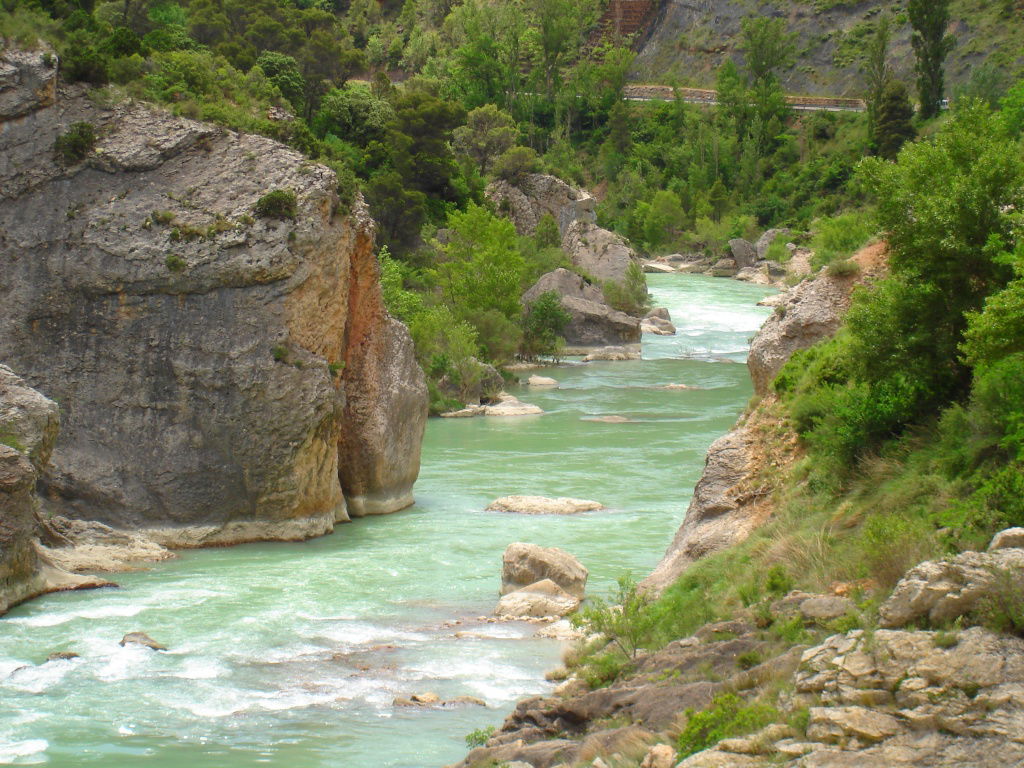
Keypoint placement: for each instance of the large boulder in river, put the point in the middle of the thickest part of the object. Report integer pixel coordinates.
(592, 325)
(598, 252)
(227, 369)
(29, 424)
(526, 564)
(743, 252)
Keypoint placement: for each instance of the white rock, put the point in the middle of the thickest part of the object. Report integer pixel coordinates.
(542, 382)
(508, 405)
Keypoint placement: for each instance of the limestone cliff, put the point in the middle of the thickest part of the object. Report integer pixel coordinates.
(28, 429)
(223, 375)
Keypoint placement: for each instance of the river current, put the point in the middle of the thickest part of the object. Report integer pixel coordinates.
(290, 654)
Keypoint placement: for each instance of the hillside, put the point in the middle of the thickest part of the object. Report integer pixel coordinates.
(689, 40)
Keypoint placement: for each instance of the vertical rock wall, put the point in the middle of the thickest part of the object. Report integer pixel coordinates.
(222, 376)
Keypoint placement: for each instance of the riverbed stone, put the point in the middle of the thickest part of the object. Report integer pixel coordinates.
(613, 354)
(509, 405)
(539, 600)
(525, 564)
(141, 638)
(542, 505)
(541, 382)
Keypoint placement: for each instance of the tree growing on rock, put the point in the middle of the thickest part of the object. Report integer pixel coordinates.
(930, 19)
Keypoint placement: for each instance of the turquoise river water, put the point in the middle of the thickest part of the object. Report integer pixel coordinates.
(290, 654)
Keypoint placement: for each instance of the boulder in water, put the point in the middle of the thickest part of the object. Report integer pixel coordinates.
(508, 405)
(542, 505)
(539, 600)
(141, 638)
(62, 656)
(524, 565)
(541, 382)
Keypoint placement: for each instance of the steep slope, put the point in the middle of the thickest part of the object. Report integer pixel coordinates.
(220, 363)
(690, 39)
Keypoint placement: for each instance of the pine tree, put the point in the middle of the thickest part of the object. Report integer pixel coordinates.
(930, 18)
(877, 72)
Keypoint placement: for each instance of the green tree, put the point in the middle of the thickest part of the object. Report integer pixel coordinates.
(283, 71)
(876, 69)
(354, 114)
(930, 19)
(893, 125)
(767, 47)
(488, 132)
(543, 322)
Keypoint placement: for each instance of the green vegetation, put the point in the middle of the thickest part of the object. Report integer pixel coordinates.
(479, 737)
(727, 716)
(72, 146)
(277, 204)
(175, 263)
(930, 20)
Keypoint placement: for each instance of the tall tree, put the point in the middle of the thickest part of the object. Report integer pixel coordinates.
(930, 19)
(877, 72)
(767, 47)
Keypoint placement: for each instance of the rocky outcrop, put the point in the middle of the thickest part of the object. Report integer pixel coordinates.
(29, 425)
(938, 591)
(809, 313)
(542, 599)
(226, 375)
(566, 284)
(542, 505)
(599, 253)
(718, 516)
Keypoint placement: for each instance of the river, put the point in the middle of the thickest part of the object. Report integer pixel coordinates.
(291, 654)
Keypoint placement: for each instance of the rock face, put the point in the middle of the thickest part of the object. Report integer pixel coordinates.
(225, 376)
(598, 252)
(717, 516)
(542, 505)
(29, 425)
(939, 591)
(566, 284)
(810, 312)
(527, 564)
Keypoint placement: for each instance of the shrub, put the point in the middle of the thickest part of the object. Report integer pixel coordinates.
(277, 204)
(727, 716)
(479, 737)
(543, 323)
(843, 268)
(1002, 607)
(626, 622)
(72, 146)
(175, 263)
(514, 164)
(629, 296)
(840, 237)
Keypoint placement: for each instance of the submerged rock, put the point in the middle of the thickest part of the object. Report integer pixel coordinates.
(141, 638)
(613, 354)
(542, 505)
(541, 382)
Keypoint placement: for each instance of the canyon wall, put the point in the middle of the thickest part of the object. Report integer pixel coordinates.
(225, 371)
